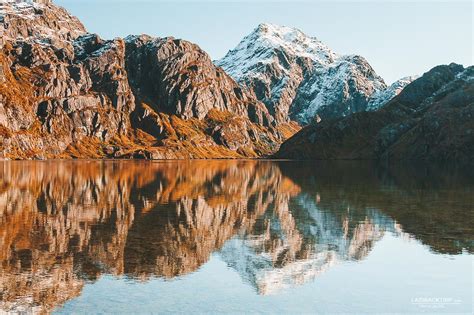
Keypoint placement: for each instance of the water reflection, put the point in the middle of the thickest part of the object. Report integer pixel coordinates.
(278, 224)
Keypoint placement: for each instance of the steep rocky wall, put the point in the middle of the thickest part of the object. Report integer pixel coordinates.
(60, 97)
(65, 93)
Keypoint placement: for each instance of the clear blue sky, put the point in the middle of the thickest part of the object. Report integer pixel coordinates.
(398, 38)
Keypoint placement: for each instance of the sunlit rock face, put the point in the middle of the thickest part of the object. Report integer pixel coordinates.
(277, 224)
(67, 93)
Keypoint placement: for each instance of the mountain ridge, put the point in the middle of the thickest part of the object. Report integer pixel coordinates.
(432, 118)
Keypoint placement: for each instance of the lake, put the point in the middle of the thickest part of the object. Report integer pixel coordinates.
(235, 237)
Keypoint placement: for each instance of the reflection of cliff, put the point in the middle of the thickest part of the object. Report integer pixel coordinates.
(62, 223)
(343, 209)
(49, 240)
(277, 224)
(201, 215)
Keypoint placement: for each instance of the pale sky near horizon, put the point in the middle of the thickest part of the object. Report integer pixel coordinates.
(398, 38)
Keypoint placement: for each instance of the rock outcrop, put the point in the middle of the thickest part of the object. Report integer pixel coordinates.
(54, 98)
(176, 77)
(42, 22)
(432, 118)
(67, 93)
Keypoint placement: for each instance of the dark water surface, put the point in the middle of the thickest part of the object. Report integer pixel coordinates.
(235, 236)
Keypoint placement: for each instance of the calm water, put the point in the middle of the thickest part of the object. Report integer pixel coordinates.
(235, 236)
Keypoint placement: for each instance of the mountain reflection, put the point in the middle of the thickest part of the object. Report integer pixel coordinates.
(277, 224)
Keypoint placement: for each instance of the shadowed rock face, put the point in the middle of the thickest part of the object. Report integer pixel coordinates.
(432, 118)
(277, 224)
(66, 93)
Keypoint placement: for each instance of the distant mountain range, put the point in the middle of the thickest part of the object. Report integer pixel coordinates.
(66, 93)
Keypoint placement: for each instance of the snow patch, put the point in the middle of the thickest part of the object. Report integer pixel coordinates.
(382, 97)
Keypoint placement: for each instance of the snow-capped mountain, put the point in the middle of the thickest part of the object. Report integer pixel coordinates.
(380, 98)
(298, 77)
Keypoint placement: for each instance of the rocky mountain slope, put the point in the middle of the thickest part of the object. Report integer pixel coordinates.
(38, 22)
(67, 93)
(432, 118)
(298, 77)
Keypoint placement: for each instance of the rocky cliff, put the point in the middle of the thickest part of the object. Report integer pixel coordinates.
(67, 93)
(432, 118)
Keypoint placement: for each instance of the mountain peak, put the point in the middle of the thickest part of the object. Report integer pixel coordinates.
(269, 41)
(293, 41)
(295, 75)
(270, 29)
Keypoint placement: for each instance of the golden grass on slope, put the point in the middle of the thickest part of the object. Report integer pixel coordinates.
(218, 116)
(5, 132)
(289, 129)
(87, 147)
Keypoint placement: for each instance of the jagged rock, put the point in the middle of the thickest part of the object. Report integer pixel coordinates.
(233, 134)
(39, 22)
(176, 77)
(70, 96)
(380, 98)
(67, 93)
